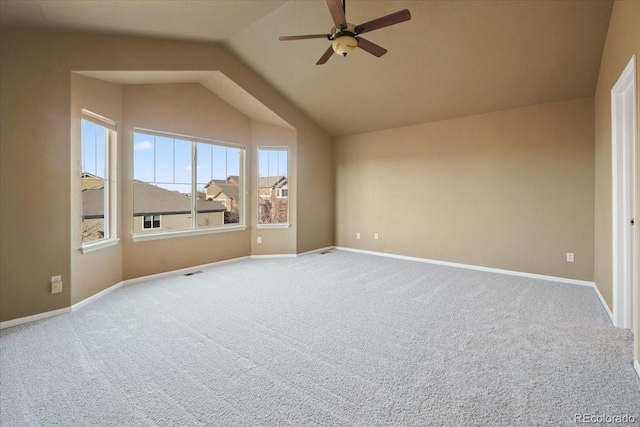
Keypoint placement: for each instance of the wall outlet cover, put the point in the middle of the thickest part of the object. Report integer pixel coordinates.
(56, 287)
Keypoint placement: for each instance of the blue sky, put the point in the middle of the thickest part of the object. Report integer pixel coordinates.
(93, 150)
(272, 162)
(166, 161)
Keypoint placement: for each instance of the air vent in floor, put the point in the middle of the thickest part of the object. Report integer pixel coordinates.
(193, 272)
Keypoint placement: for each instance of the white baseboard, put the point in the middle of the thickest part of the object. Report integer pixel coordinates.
(604, 303)
(473, 267)
(273, 256)
(315, 251)
(180, 271)
(637, 366)
(34, 317)
(94, 297)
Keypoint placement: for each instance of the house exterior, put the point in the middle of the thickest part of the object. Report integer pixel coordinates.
(155, 209)
(90, 180)
(273, 199)
(227, 193)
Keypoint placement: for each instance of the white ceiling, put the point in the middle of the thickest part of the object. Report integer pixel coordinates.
(454, 58)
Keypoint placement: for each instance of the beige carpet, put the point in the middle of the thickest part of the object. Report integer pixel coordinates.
(335, 339)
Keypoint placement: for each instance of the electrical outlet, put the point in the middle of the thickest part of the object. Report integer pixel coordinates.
(375, 236)
(570, 257)
(358, 236)
(259, 239)
(56, 284)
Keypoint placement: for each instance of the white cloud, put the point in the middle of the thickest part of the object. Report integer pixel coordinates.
(142, 145)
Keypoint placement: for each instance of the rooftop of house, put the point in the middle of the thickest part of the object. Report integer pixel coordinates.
(232, 191)
(272, 181)
(148, 199)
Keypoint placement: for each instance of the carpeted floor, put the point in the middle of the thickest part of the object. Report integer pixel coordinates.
(335, 339)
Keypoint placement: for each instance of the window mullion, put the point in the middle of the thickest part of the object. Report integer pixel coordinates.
(154, 160)
(107, 210)
(194, 184)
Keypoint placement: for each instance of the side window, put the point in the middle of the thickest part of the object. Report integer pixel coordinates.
(97, 136)
(273, 186)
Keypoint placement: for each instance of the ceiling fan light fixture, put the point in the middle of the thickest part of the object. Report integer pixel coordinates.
(344, 45)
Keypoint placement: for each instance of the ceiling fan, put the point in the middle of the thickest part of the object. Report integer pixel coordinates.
(346, 36)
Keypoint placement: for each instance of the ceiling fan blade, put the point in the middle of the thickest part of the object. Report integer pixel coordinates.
(324, 58)
(337, 13)
(385, 21)
(372, 48)
(309, 36)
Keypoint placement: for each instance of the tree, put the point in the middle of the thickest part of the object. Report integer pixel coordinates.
(92, 230)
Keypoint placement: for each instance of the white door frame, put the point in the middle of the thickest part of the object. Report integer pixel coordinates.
(624, 135)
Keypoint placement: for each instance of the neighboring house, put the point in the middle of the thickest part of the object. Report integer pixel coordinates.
(90, 180)
(226, 192)
(155, 208)
(273, 186)
(212, 188)
(92, 211)
(273, 201)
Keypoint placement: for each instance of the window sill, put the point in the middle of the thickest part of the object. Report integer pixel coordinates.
(284, 225)
(96, 246)
(186, 233)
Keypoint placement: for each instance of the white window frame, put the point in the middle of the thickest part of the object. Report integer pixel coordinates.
(280, 224)
(110, 189)
(154, 233)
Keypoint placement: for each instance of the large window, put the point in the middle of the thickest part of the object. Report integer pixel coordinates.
(182, 183)
(273, 186)
(97, 135)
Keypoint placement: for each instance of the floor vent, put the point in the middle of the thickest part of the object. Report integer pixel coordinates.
(193, 272)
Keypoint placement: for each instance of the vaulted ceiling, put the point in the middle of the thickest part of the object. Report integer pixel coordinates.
(452, 59)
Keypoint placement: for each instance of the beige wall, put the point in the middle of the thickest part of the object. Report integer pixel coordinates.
(274, 240)
(510, 190)
(315, 191)
(623, 41)
(35, 82)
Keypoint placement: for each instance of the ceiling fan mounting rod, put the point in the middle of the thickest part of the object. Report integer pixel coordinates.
(348, 30)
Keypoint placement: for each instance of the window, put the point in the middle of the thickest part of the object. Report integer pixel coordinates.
(97, 134)
(178, 179)
(273, 186)
(151, 221)
(282, 192)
